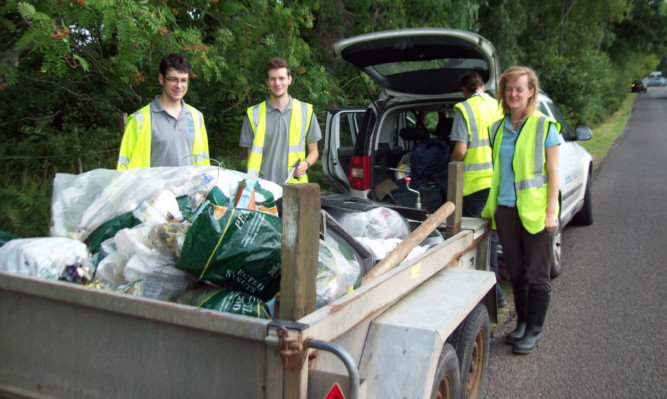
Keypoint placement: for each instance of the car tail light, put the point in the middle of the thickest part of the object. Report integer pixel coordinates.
(360, 173)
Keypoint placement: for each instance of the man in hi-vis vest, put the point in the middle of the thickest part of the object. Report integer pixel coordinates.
(166, 132)
(281, 133)
(470, 135)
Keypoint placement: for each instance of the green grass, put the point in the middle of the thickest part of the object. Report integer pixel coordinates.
(606, 133)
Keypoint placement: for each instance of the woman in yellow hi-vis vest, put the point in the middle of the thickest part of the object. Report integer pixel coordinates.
(166, 132)
(281, 133)
(523, 200)
(470, 136)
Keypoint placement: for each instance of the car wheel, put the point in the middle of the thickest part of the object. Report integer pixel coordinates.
(585, 216)
(447, 381)
(556, 260)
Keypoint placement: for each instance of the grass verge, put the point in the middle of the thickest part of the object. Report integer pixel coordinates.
(606, 133)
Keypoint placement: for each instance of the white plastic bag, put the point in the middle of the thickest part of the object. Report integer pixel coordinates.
(336, 274)
(378, 223)
(81, 203)
(136, 259)
(44, 257)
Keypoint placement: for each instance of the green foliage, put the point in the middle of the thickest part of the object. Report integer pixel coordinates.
(25, 205)
(70, 70)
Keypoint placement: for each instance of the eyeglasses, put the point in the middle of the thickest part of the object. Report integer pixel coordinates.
(172, 80)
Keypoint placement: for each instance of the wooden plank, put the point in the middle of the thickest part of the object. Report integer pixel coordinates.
(455, 195)
(403, 249)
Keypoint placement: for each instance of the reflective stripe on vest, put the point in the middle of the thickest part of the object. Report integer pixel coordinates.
(539, 179)
(298, 128)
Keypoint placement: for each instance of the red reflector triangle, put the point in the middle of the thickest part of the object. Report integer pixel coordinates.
(335, 393)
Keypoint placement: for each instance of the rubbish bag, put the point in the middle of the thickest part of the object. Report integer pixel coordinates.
(336, 274)
(223, 300)
(5, 237)
(136, 258)
(44, 257)
(250, 195)
(237, 247)
(377, 223)
(81, 203)
(109, 229)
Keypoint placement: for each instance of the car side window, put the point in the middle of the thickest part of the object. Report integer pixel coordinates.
(350, 125)
(550, 109)
(564, 128)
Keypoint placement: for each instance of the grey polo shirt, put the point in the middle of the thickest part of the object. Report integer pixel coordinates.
(276, 141)
(171, 138)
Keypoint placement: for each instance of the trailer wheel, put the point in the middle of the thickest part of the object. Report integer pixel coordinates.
(447, 381)
(472, 350)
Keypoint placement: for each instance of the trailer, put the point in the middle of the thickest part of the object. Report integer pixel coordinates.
(417, 329)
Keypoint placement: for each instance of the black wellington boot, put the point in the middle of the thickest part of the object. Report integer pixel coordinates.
(520, 293)
(538, 303)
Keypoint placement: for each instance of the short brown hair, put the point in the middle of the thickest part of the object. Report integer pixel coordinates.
(471, 82)
(512, 74)
(277, 63)
(175, 61)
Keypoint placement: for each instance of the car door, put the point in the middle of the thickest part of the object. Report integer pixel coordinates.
(570, 169)
(340, 136)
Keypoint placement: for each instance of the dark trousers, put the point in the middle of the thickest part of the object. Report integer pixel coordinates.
(527, 256)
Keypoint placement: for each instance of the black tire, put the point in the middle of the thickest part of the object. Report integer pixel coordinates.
(471, 341)
(556, 255)
(447, 380)
(585, 216)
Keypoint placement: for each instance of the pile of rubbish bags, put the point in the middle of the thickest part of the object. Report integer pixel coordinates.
(200, 235)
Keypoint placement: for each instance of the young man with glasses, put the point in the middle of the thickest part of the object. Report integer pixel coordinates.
(166, 132)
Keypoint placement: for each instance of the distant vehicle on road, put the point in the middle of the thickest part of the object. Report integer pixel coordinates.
(655, 80)
(639, 85)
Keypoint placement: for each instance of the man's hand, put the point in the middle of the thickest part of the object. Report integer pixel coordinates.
(301, 168)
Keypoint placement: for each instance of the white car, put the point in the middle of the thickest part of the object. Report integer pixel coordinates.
(366, 150)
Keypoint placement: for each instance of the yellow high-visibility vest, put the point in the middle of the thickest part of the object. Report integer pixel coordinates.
(298, 128)
(135, 148)
(530, 175)
(479, 113)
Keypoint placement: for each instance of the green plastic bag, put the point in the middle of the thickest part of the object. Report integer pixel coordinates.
(187, 207)
(237, 247)
(109, 229)
(224, 300)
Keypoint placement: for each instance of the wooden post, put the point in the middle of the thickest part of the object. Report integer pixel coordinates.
(299, 252)
(300, 247)
(455, 195)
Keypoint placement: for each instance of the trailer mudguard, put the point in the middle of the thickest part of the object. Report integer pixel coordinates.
(403, 344)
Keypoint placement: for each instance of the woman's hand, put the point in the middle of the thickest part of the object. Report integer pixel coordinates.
(551, 221)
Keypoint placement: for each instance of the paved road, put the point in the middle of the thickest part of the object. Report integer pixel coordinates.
(606, 333)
